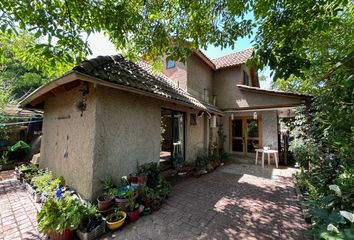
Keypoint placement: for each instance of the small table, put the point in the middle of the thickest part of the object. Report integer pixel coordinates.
(263, 151)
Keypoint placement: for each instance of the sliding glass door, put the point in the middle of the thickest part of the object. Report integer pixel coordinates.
(172, 138)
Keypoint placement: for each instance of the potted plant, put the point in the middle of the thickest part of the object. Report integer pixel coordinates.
(121, 195)
(41, 183)
(60, 217)
(115, 220)
(92, 225)
(132, 208)
(105, 200)
(148, 196)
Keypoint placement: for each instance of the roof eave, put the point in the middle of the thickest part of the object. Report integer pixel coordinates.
(75, 75)
(274, 93)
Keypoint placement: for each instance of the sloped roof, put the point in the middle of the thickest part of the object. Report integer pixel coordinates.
(233, 59)
(118, 70)
(274, 92)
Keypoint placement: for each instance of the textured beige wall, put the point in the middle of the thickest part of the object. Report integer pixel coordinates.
(200, 77)
(270, 129)
(195, 139)
(225, 87)
(178, 74)
(65, 131)
(128, 130)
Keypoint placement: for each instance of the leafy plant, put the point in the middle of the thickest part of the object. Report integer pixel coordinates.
(107, 184)
(131, 205)
(43, 181)
(115, 217)
(58, 215)
(154, 179)
(91, 218)
(4, 158)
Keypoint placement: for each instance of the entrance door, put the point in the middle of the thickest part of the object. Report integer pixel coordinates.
(245, 135)
(172, 138)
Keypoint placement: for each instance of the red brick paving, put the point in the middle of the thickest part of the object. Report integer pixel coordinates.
(220, 205)
(223, 205)
(17, 211)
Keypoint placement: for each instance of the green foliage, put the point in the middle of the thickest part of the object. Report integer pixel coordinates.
(140, 28)
(42, 181)
(4, 158)
(115, 217)
(22, 71)
(58, 215)
(107, 184)
(91, 218)
(154, 180)
(131, 205)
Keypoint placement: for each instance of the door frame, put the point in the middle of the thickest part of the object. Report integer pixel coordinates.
(244, 137)
(173, 112)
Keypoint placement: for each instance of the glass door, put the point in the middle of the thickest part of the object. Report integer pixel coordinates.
(237, 144)
(245, 135)
(172, 138)
(252, 137)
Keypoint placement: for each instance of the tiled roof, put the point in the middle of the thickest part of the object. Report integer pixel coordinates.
(118, 70)
(233, 59)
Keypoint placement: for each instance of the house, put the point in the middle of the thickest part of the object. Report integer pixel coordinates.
(108, 114)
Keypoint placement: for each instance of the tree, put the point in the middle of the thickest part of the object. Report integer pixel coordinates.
(148, 28)
(17, 78)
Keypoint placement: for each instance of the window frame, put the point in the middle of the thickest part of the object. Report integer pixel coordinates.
(170, 61)
(246, 78)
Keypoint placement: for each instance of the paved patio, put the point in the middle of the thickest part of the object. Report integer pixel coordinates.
(17, 211)
(237, 201)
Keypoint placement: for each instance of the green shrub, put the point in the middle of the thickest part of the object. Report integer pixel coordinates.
(58, 215)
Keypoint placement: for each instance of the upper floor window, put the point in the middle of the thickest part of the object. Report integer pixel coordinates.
(246, 80)
(170, 64)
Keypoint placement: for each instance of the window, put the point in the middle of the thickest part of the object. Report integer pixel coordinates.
(170, 64)
(246, 80)
(193, 119)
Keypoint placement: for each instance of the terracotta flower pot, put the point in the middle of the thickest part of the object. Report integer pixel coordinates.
(104, 202)
(133, 216)
(133, 179)
(66, 235)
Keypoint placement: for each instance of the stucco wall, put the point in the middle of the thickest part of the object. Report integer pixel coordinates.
(68, 139)
(200, 77)
(195, 139)
(270, 129)
(225, 87)
(128, 130)
(178, 74)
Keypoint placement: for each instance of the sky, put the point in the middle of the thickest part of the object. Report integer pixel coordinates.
(100, 45)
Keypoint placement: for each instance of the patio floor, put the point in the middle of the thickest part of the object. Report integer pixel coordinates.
(18, 211)
(237, 201)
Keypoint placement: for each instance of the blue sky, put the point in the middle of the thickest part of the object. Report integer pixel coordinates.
(100, 45)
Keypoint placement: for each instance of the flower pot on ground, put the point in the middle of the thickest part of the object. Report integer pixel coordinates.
(92, 225)
(115, 220)
(104, 202)
(148, 196)
(121, 199)
(132, 208)
(67, 234)
(133, 179)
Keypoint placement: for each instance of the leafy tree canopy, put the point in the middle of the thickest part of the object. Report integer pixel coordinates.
(285, 29)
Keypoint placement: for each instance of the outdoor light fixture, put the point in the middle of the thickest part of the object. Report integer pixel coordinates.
(232, 116)
(81, 104)
(255, 116)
